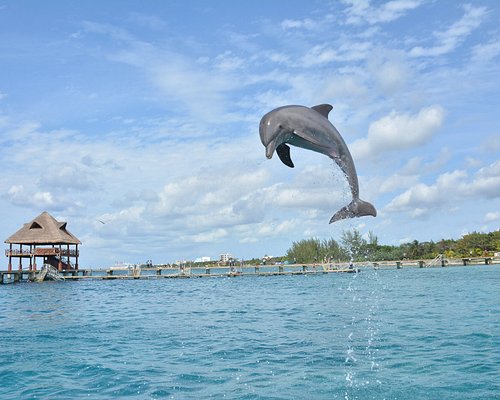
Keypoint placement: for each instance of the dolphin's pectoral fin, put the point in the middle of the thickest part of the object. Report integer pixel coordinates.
(323, 109)
(283, 152)
(357, 208)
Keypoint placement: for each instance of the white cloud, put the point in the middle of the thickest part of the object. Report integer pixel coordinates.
(451, 38)
(486, 51)
(396, 182)
(361, 11)
(391, 73)
(347, 51)
(492, 216)
(450, 188)
(36, 200)
(399, 131)
(422, 196)
(201, 88)
(306, 23)
(208, 237)
(486, 182)
(227, 61)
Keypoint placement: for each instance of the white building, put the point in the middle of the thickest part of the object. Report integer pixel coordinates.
(225, 257)
(202, 259)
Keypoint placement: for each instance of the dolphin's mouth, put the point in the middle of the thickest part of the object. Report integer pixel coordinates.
(271, 146)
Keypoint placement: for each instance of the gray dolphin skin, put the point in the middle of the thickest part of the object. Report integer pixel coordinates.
(310, 129)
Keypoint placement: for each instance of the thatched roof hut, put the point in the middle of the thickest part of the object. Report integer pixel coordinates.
(42, 231)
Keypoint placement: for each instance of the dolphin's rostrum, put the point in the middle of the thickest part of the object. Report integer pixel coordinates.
(310, 129)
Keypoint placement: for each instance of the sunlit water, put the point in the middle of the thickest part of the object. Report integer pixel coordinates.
(386, 334)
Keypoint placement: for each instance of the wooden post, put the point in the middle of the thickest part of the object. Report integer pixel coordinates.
(76, 261)
(9, 268)
(59, 265)
(20, 257)
(34, 257)
(31, 259)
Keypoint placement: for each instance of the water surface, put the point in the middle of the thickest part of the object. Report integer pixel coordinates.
(380, 334)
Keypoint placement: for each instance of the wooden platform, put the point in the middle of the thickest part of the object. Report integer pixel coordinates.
(205, 275)
(174, 273)
(164, 272)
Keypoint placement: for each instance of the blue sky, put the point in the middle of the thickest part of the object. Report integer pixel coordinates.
(145, 115)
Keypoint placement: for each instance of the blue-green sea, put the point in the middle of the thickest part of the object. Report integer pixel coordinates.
(380, 334)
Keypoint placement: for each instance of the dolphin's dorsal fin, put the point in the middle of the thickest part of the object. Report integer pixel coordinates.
(323, 109)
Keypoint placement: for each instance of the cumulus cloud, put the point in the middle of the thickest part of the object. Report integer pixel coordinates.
(422, 198)
(18, 195)
(398, 131)
(486, 182)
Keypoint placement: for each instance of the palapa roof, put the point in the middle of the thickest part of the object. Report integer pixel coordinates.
(44, 229)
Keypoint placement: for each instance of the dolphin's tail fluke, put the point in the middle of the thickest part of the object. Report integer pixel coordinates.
(357, 208)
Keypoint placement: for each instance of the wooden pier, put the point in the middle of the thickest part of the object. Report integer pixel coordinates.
(185, 272)
(439, 261)
(153, 273)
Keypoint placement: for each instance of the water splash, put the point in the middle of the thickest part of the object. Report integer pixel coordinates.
(361, 362)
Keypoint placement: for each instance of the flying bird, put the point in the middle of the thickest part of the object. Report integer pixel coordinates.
(310, 129)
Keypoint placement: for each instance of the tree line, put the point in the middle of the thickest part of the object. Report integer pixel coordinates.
(352, 246)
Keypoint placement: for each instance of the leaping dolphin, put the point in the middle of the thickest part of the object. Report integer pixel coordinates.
(310, 129)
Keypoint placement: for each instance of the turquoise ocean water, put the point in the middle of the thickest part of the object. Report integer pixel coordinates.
(380, 334)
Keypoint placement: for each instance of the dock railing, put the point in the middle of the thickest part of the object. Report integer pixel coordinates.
(435, 261)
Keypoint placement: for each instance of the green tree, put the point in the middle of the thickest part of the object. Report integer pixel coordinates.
(304, 251)
(478, 244)
(314, 250)
(331, 250)
(353, 244)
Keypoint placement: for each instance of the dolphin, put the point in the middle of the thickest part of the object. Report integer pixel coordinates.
(310, 129)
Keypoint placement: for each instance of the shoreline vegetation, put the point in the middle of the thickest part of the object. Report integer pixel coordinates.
(354, 248)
